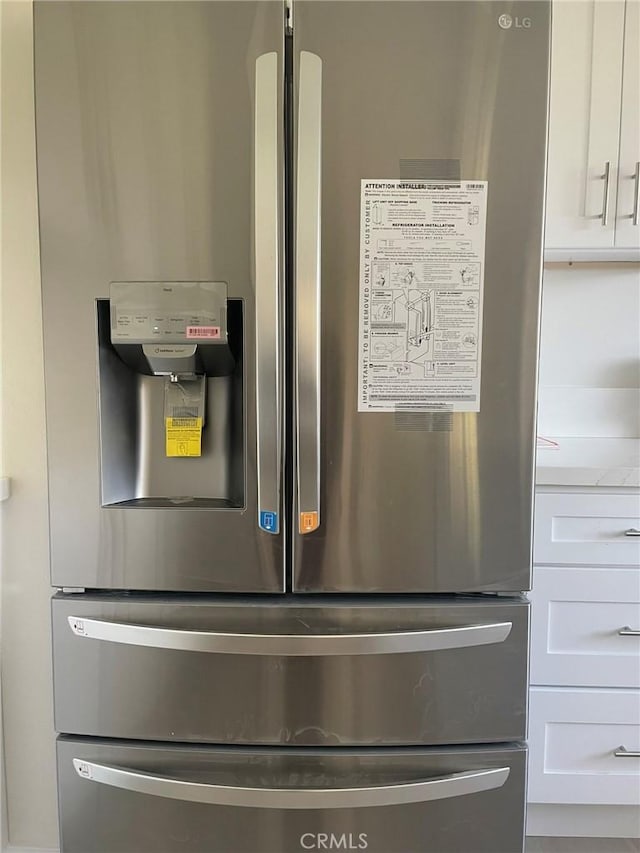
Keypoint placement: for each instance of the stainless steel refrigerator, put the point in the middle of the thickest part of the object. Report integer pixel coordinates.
(291, 279)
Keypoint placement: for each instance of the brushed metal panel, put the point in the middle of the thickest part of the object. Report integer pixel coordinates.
(450, 695)
(100, 819)
(145, 150)
(406, 508)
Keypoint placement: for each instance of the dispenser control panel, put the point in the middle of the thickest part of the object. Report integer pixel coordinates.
(171, 312)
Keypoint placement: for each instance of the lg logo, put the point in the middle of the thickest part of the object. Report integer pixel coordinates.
(506, 22)
(331, 841)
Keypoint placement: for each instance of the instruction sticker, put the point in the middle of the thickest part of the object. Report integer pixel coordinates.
(422, 247)
(183, 436)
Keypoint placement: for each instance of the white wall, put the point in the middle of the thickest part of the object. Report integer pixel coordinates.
(26, 656)
(590, 350)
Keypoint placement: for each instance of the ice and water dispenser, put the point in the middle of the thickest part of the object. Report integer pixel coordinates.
(170, 395)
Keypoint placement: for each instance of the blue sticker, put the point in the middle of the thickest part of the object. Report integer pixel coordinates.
(269, 521)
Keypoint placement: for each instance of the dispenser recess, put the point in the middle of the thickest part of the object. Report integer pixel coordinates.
(160, 342)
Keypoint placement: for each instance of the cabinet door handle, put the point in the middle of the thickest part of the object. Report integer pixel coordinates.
(623, 752)
(605, 198)
(629, 632)
(636, 194)
(632, 531)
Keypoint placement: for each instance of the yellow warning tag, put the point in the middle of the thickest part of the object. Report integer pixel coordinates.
(183, 436)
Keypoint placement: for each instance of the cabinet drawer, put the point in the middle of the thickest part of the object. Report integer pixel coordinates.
(591, 530)
(578, 622)
(574, 736)
(118, 797)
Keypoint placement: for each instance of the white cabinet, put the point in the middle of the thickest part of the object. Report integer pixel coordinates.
(587, 529)
(584, 702)
(582, 745)
(582, 627)
(594, 144)
(628, 201)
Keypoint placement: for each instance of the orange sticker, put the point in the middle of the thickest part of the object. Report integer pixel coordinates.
(308, 522)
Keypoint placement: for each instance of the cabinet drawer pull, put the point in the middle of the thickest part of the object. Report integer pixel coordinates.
(605, 198)
(623, 752)
(632, 531)
(627, 631)
(636, 194)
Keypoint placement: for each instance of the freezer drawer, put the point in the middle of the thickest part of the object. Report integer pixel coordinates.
(441, 671)
(118, 797)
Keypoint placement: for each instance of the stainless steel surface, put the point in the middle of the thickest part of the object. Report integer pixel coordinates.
(144, 119)
(632, 531)
(372, 796)
(308, 292)
(623, 752)
(636, 194)
(419, 503)
(605, 194)
(627, 631)
(267, 226)
(291, 645)
(463, 693)
(98, 818)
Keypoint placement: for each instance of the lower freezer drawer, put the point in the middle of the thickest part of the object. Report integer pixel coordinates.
(124, 797)
(432, 671)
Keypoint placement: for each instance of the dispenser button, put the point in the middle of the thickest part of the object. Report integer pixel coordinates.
(308, 522)
(269, 521)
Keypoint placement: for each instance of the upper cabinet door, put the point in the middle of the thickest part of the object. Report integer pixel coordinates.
(417, 496)
(593, 124)
(628, 208)
(160, 137)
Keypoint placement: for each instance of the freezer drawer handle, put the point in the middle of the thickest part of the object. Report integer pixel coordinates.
(628, 631)
(291, 645)
(632, 531)
(267, 279)
(440, 788)
(307, 292)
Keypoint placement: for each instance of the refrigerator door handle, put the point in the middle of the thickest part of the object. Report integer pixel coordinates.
(291, 645)
(307, 293)
(267, 292)
(439, 788)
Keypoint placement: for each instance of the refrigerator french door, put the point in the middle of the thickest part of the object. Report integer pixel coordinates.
(161, 161)
(277, 582)
(411, 500)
